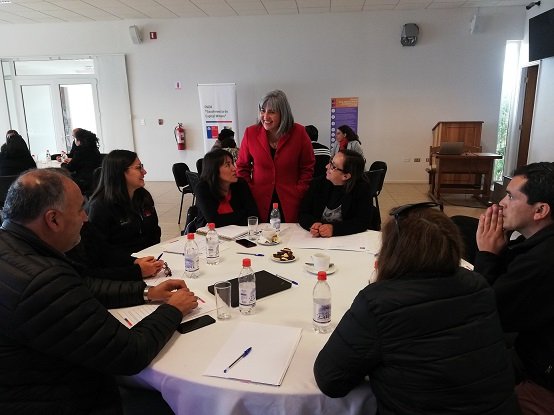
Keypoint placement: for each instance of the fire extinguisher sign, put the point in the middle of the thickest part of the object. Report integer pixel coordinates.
(218, 106)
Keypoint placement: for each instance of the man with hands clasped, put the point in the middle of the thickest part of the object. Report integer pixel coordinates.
(59, 345)
(521, 271)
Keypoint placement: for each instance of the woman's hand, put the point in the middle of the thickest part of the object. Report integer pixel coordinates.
(314, 229)
(149, 266)
(326, 231)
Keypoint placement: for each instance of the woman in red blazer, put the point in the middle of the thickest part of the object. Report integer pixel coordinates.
(276, 158)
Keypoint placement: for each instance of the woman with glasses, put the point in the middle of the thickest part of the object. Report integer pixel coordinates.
(340, 202)
(346, 139)
(426, 333)
(222, 197)
(276, 158)
(121, 209)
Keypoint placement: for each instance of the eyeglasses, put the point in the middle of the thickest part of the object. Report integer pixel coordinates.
(137, 166)
(166, 270)
(400, 211)
(334, 166)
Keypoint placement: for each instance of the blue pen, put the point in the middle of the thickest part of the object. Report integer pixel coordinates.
(244, 354)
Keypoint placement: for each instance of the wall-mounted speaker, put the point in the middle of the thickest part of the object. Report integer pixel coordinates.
(136, 38)
(410, 32)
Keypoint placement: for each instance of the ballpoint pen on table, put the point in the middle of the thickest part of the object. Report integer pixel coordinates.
(159, 256)
(250, 253)
(174, 252)
(244, 354)
(286, 279)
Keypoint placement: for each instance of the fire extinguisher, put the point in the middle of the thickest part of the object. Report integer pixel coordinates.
(179, 133)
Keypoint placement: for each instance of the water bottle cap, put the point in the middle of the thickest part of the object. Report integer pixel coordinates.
(190, 236)
(275, 205)
(321, 276)
(211, 225)
(246, 262)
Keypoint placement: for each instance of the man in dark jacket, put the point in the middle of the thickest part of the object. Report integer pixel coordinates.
(522, 274)
(59, 345)
(321, 152)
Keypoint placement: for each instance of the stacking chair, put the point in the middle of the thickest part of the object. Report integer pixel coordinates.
(199, 165)
(179, 173)
(375, 177)
(192, 212)
(378, 165)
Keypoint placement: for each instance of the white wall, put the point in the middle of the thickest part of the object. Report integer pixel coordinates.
(449, 75)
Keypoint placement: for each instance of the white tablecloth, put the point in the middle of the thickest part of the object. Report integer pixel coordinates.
(177, 370)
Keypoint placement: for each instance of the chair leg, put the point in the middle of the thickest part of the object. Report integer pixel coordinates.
(378, 211)
(181, 208)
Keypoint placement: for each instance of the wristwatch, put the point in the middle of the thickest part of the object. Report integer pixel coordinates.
(145, 294)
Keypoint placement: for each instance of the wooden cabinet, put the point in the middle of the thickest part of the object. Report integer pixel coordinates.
(467, 131)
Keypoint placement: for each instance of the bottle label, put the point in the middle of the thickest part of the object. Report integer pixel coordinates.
(275, 223)
(212, 251)
(247, 295)
(322, 313)
(191, 263)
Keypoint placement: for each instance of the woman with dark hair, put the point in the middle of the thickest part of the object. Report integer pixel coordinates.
(85, 158)
(338, 203)
(221, 197)
(276, 158)
(15, 157)
(121, 209)
(426, 332)
(346, 139)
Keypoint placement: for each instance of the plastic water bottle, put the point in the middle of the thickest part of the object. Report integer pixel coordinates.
(247, 288)
(191, 257)
(212, 245)
(48, 157)
(275, 217)
(322, 304)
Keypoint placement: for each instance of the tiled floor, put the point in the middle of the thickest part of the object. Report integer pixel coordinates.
(168, 198)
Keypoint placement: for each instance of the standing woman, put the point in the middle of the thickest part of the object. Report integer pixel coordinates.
(85, 158)
(222, 197)
(121, 209)
(276, 158)
(346, 139)
(427, 332)
(15, 157)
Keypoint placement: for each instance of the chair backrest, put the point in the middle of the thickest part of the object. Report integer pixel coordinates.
(379, 165)
(179, 170)
(5, 183)
(199, 163)
(375, 178)
(193, 179)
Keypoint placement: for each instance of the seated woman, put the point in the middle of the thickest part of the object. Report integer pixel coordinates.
(85, 158)
(15, 157)
(221, 197)
(338, 203)
(426, 332)
(121, 208)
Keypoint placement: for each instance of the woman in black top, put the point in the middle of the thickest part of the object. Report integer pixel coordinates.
(15, 157)
(121, 209)
(222, 197)
(340, 202)
(85, 158)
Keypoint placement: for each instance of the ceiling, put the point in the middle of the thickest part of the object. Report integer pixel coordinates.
(55, 11)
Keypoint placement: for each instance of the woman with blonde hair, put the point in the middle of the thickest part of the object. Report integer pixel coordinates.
(426, 332)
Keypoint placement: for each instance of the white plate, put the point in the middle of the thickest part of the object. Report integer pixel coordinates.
(311, 269)
(260, 242)
(283, 262)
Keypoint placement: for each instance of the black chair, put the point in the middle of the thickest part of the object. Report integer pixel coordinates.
(5, 183)
(192, 212)
(379, 165)
(193, 179)
(179, 173)
(199, 165)
(375, 179)
(467, 226)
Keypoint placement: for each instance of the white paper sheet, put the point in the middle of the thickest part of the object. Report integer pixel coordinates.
(129, 316)
(272, 350)
(368, 241)
(228, 232)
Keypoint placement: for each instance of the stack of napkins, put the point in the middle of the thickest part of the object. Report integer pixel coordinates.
(229, 232)
(272, 350)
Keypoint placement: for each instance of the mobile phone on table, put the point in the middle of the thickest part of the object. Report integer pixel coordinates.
(245, 242)
(194, 324)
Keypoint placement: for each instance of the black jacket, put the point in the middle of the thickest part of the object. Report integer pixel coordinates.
(59, 345)
(322, 156)
(431, 344)
(523, 280)
(242, 202)
(82, 165)
(356, 207)
(125, 230)
(10, 165)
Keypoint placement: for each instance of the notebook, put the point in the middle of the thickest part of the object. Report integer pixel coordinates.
(266, 284)
(454, 148)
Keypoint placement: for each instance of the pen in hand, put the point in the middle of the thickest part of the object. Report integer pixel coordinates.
(244, 354)
(159, 256)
